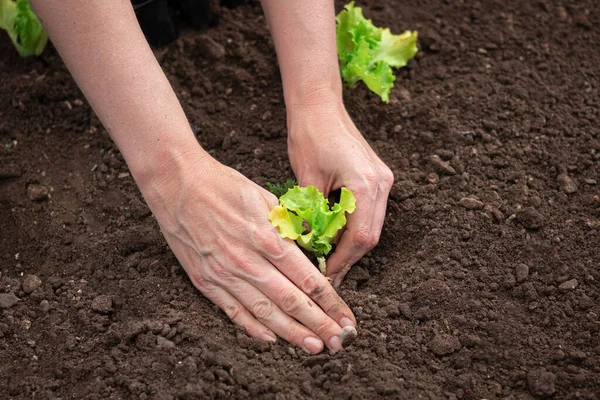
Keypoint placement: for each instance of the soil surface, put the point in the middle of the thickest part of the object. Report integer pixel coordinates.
(486, 282)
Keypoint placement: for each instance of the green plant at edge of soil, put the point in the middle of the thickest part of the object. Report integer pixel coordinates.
(280, 190)
(368, 53)
(23, 27)
(304, 215)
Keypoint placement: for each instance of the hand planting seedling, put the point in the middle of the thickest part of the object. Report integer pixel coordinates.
(22, 25)
(368, 53)
(304, 215)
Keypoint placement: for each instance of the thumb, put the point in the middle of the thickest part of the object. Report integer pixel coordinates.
(338, 266)
(337, 273)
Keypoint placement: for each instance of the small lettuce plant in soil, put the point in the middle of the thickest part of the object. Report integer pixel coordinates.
(368, 53)
(23, 27)
(304, 215)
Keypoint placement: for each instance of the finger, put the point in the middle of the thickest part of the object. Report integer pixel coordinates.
(239, 314)
(270, 315)
(298, 305)
(380, 208)
(375, 233)
(357, 240)
(289, 260)
(378, 219)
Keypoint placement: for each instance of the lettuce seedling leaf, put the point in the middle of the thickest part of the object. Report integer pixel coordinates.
(289, 225)
(368, 53)
(308, 204)
(23, 27)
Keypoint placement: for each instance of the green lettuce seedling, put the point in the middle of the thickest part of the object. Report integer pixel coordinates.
(304, 215)
(368, 53)
(23, 27)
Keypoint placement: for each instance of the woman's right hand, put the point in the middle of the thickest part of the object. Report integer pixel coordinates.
(216, 222)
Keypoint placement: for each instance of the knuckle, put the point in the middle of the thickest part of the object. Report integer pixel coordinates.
(310, 285)
(199, 281)
(331, 303)
(371, 178)
(373, 240)
(242, 261)
(291, 302)
(262, 309)
(221, 273)
(233, 311)
(323, 329)
(333, 308)
(294, 335)
(368, 184)
(269, 242)
(387, 178)
(362, 236)
(272, 199)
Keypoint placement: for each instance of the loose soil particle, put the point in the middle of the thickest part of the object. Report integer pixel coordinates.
(502, 99)
(7, 300)
(31, 283)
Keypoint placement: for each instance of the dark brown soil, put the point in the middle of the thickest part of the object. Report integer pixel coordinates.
(486, 283)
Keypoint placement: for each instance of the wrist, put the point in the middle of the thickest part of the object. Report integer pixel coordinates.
(311, 94)
(319, 105)
(160, 168)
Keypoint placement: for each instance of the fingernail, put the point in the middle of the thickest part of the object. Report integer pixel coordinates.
(335, 343)
(313, 345)
(268, 337)
(344, 322)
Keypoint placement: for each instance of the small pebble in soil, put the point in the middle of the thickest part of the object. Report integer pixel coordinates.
(209, 48)
(530, 218)
(37, 192)
(31, 283)
(521, 272)
(348, 335)
(44, 306)
(441, 167)
(568, 285)
(432, 178)
(164, 343)
(470, 203)
(102, 304)
(566, 184)
(7, 300)
(561, 13)
(496, 214)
